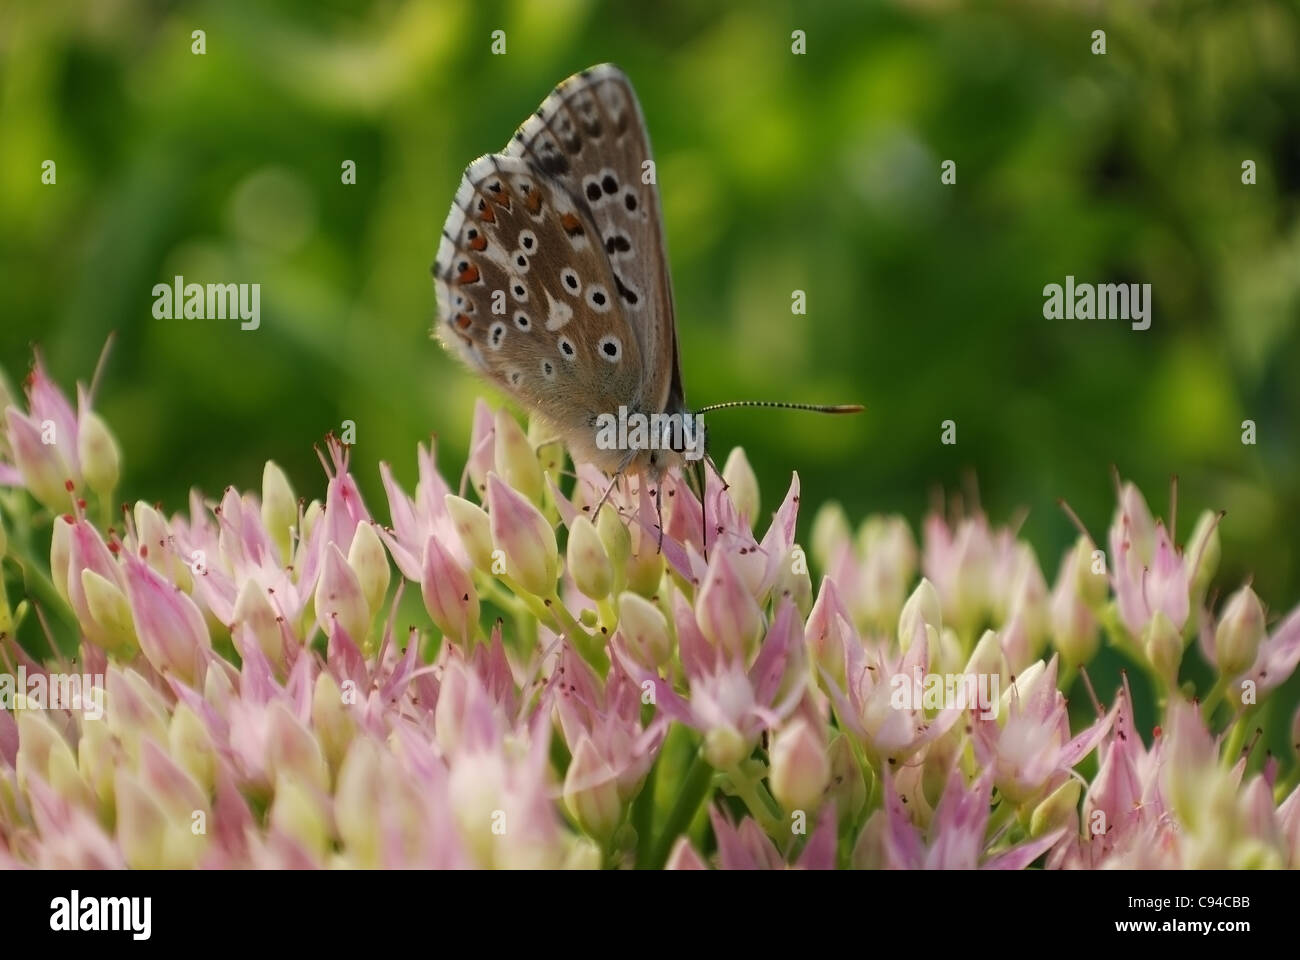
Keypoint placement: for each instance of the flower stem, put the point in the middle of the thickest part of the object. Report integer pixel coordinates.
(694, 790)
(759, 801)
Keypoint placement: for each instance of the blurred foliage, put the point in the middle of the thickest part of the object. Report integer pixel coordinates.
(778, 172)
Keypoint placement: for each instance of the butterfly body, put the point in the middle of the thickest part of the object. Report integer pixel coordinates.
(552, 275)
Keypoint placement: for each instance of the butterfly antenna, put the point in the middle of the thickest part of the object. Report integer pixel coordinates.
(780, 404)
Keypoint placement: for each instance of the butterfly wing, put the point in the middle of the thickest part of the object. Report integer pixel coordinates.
(589, 136)
(528, 299)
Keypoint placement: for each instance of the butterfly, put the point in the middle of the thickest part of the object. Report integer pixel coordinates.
(552, 278)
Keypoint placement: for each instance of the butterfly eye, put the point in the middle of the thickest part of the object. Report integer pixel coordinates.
(527, 240)
(548, 370)
(521, 261)
(598, 297)
(570, 279)
(520, 292)
(497, 334)
(609, 184)
(566, 348)
(522, 321)
(629, 201)
(611, 348)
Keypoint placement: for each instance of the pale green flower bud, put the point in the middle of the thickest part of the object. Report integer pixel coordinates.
(515, 460)
(591, 792)
(830, 531)
(253, 612)
(525, 537)
(1201, 555)
(474, 528)
(587, 560)
(794, 580)
(111, 612)
(645, 630)
(97, 450)
(369, 562)
(1059, 809)
(279, 508)
(801, 767)
(742, 484)
(922, 608)
(1164, 648)
(1239, 634)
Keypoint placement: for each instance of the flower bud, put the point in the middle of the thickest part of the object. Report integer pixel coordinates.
(645, 567)
(921, 609)
(97, 450)
(331, 721)
(153, 534)
(742, 484)
(521, 532)
(1074, 628)
(801, 768)
(369, 562)
(169, 626)
(644, 629)
(449, 593)
(515, 460)
(587, 560)
(684, 857)
(889, 556)
(44, 472)
(356, 797)
(191, 746)
(141, 824)
(474, 529)
(1090, 573)
(794, 581)
(298, 812)
(726, 612)
(1201, 555)
(1240, 631)
(830, 532)
(482, 446)
(254, 613)
(847, 787)
(724, 747)
(826, 633)
(310, 516)
(1059, 809)
(591, 792)
(617, 541)
(339, 597)
(1164, 648)
(111, 614)
(292, 750)
(279, 508)
(61, 554)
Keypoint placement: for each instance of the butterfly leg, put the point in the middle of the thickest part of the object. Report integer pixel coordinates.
(659, 511)
(613, 482)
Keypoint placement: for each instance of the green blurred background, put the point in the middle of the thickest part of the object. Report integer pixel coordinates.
(778, 172)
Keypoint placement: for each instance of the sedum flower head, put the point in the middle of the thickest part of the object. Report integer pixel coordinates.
(669, 680)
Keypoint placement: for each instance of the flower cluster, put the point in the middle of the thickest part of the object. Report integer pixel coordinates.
(588, 690)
